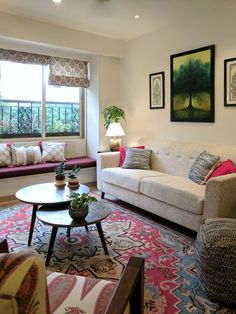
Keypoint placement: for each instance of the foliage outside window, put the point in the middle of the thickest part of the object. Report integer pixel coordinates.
(29, 107)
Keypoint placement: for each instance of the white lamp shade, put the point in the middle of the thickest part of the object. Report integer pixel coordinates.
(115, 129)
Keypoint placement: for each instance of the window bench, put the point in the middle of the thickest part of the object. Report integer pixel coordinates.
(14, 178)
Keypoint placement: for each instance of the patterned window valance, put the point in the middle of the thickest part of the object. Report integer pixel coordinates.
(68, 72)
(24, 57)
(63, 71)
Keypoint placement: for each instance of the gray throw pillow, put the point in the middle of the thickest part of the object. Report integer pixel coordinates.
(137, 158)
(203, 165)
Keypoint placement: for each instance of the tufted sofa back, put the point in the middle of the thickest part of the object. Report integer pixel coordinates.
(176, 157)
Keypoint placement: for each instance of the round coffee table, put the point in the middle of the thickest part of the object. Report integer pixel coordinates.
(58, 216)
(46, 194)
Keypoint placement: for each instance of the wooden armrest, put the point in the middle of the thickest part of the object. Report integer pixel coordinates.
(3, 246)
(130, 289)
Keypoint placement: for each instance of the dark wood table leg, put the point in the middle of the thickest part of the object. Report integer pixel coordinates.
(35, 207)
(51, 244)
(68, 232)
(99, 227)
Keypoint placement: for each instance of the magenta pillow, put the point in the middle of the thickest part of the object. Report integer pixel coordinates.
(225, 167)
(123, 153)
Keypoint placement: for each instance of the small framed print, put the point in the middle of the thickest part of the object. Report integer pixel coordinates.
(157, 90)
(230, 82)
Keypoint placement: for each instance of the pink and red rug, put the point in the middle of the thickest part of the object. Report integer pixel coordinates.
(171, 283)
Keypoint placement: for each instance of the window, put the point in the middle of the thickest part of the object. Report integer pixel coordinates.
(29, 107)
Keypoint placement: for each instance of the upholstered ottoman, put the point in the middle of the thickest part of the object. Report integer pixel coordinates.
(215, 254)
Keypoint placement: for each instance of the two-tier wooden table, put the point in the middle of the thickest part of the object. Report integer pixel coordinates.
(58, 216)
(46, 194)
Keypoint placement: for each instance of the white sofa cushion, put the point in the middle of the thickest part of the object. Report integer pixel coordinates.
(127, 178)
(178, 191)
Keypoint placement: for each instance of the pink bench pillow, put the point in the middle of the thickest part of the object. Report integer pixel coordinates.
(226, 167)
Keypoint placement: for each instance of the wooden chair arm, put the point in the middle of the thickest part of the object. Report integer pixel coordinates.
(130, 289)
(3, 246)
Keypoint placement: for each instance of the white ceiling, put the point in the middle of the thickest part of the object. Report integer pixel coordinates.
(115, 18)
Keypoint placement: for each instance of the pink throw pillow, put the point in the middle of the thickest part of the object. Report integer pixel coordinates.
(224, 168)
(123, 153)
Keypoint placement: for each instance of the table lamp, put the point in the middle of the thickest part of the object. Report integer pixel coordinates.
(114, 130)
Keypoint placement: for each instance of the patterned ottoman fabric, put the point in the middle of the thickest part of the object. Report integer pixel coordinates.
(215, 254)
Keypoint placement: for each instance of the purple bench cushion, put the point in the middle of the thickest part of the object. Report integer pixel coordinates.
(10, 172)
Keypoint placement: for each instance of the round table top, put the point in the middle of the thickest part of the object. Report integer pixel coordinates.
(48, 193)
(58, 215)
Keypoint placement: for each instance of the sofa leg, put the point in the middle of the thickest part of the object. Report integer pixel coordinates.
(102, 195)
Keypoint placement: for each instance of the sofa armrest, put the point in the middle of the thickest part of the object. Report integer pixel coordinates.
(130, 289)
(220, 197)
(106, 160)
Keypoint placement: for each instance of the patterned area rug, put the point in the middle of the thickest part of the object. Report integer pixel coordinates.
(171, 284)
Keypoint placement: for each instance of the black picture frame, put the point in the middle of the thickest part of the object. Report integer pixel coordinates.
(230, 82)
(192, 75)
(157, 90)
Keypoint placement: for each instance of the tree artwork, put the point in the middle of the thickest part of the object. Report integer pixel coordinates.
(192, 86)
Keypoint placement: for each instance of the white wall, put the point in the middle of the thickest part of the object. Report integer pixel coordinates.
(36, 32)
(109, 92)
(151, 53)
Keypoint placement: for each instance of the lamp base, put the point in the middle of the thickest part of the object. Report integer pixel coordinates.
(115, 143)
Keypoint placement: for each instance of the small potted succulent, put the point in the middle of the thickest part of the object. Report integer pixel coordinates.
(79, 205)
(73, 180)
(60, 174)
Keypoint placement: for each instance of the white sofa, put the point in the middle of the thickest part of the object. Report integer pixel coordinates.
(165, 190)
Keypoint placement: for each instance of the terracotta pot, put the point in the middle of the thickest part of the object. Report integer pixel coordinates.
(78, 214)
(60, 180)
(73, 182)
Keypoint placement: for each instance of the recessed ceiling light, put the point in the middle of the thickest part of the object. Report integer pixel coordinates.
(137, 16)
(56, 1)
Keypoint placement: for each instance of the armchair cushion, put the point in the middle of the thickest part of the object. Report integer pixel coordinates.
(68, 293)
(23, 284)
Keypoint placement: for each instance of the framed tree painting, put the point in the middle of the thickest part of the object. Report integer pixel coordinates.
(157, 90)
(230, 82)
(192, 85)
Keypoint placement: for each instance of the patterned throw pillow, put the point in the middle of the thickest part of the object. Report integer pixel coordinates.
(5, 155)
(137, 158)
(122, 150)
(33, 154)
(19, 157)
(53, 151)
(202, 167)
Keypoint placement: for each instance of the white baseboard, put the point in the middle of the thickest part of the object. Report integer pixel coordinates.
(10, 186)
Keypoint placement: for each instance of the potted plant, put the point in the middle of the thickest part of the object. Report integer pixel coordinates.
(60, 174)
(79, 205)
(113, 114)
(73, 180)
